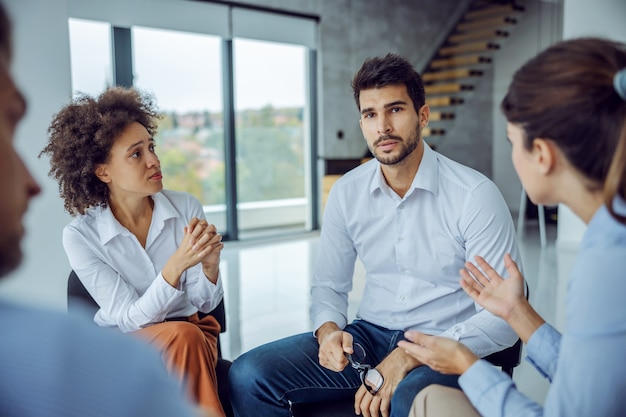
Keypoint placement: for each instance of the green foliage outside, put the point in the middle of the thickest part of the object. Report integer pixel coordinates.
(270, 154)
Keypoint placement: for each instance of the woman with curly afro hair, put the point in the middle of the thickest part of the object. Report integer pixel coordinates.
(146, 255)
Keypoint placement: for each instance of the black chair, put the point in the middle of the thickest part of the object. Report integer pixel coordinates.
(78, 298)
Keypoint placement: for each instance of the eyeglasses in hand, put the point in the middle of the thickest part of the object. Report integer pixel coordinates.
(370, 377)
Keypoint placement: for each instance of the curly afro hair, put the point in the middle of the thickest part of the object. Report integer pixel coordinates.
(81, 137)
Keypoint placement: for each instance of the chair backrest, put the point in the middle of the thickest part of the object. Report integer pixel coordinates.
(509, 358)
(77, 295)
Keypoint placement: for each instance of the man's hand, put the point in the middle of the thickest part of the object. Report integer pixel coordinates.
(334, 344)
(393, 369)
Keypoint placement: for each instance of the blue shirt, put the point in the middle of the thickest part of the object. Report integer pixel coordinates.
(57, 365)
(585, 365)
(125, 278)
(412, 249)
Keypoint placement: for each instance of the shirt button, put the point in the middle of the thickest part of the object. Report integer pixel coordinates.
(402, 298)
(401, 206)
(400, 239)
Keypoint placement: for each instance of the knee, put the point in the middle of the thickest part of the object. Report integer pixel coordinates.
(186, 334)
(419, 406)
(245, 370)
(441, 401)
(252, 371)
(187, 331)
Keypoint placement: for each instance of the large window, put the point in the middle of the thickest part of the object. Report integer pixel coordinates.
(271, 135)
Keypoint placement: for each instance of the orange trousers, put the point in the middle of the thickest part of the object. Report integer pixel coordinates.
(189, 351)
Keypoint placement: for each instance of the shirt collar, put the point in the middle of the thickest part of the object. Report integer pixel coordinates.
(109, 227)
(426, 178)
(602, 224)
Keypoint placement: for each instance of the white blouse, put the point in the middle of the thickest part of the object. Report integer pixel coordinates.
(124, 278)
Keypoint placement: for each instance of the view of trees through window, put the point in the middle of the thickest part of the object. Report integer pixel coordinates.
(191, 149)
(270, 154)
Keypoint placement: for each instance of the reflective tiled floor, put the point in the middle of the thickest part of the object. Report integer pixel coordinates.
(267, 291)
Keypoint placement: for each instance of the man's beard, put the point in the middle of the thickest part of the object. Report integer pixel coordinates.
(10, 255)
(406, 148)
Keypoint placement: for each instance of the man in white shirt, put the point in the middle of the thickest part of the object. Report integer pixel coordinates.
(413, 217)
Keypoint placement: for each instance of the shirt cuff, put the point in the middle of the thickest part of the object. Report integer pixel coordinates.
(327, 316)
(479, 379)
(543, 350)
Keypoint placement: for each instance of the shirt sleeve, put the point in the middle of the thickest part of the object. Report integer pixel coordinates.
(543, 350)
(487, 230)
(117, 298)
(334, 267)
(493, 393)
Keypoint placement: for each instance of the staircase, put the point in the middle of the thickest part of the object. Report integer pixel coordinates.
(450, 76)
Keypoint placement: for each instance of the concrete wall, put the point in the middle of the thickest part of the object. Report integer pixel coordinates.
(539, 26)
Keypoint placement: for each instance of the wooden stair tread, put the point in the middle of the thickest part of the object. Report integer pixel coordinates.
(444, 101)
(501, 9)
(436, 116)
(451, 74)
(485, 23)
(468, 47)
(428, 131)
(447, 88)
(458, 61)
(477, 35)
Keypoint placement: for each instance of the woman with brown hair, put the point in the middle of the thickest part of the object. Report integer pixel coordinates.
(566, 113)
(146, 255)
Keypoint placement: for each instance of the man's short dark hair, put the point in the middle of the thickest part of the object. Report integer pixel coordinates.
(391, 69)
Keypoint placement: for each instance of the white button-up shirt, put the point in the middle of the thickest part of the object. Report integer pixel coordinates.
(412, 249)
(124, 278)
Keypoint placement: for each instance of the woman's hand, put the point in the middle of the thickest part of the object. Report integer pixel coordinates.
(200, 244)
(208, 246)
(503, 297)
(439, 353)
(499, 296)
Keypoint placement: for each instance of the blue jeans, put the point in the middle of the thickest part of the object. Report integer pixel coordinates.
(265, 380)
